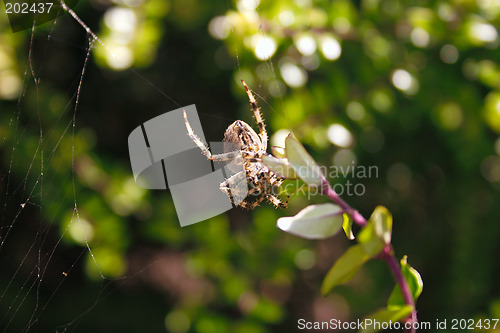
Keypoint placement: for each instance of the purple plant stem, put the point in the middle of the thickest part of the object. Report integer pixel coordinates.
(356, 216)
(387, 255)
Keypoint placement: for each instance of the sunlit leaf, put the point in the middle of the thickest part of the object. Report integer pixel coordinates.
(414, 281)
(303, 164)
(344, 268)
(369, 240)
(314, 222)
(377, 233)
(347, 226)
(382, 220)
(279, 166)
(391, 314)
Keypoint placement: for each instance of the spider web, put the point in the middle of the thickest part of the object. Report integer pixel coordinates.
(32, 279)
(25, 295)
(34, 274)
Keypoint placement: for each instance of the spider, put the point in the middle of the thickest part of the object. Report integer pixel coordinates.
(261, 182)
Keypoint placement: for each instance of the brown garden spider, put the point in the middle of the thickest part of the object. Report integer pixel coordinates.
(261, 182)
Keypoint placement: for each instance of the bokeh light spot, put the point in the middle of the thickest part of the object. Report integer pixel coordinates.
(310, 62)
(341, 25)
(340, 136)
(306, 44)
(121, 20)
(483, 32)
(404, 81)
(401, 79)
(81, 230)
(330, 48)
(247, 5)
(490, 169)
(177, 322)
(420, 37)
(10, 84)
(219, 27)
(356, 111)
(120, 57)
(381, 100)
(449, 54)
(286, 18)
(265, 46)
(450, 116)
(305, 259)
(345, 158)
(293, 75)
(278, 138)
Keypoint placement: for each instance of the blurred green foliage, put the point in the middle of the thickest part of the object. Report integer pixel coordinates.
(411, 87)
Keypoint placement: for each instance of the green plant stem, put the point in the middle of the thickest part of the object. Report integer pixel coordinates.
(387, 254)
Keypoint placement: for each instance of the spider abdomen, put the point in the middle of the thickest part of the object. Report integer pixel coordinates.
(241, 134)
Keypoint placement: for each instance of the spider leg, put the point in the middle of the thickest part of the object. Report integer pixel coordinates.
(195, 138)
(225, 156)
(254, 190)
(272, 182)
(203, 147)
(277, 202)
(251, 205)
(258, 116)
(235, 187)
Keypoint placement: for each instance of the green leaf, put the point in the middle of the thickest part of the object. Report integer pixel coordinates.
(414, 281)
(382, 220)
(369, 240)
(377, 232)
(279, 152)
(303, 164)
(344, 268)
(279, 166)
(392, 314)
(314, 222)
(347, 225)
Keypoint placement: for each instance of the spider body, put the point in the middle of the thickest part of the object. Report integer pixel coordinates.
(261, 182)
(242, 135)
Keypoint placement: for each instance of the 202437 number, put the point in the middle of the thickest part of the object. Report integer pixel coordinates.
(27, 8)
(471, 324)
